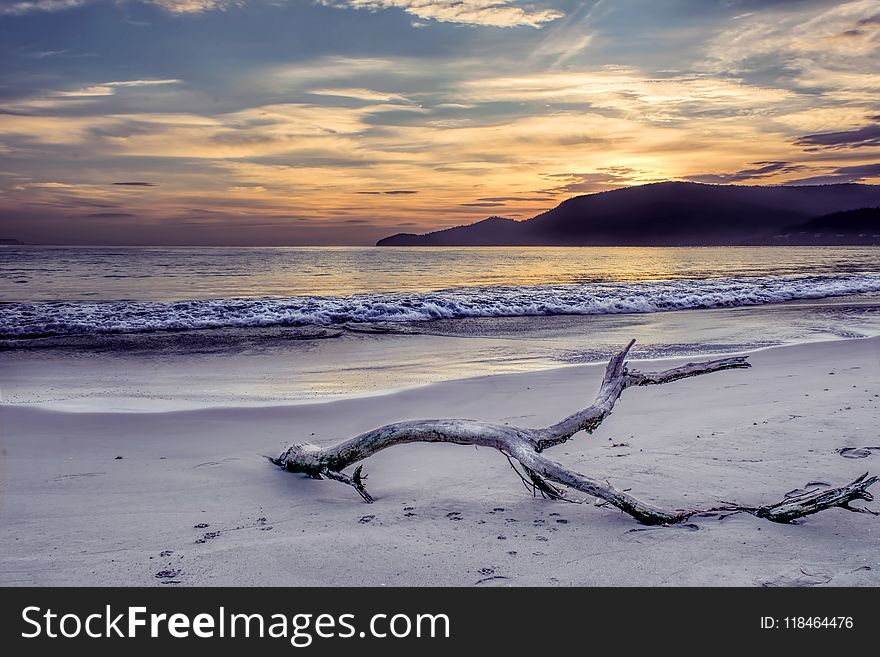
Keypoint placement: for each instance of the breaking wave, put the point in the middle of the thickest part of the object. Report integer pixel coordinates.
(29, 320)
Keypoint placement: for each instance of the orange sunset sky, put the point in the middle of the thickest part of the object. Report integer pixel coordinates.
(342, 121)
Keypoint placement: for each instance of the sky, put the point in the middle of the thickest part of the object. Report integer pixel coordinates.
(290, 122)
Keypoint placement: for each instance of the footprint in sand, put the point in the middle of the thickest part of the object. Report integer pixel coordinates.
(799, 577)
(857, 452)
(168, 576)
(207, 536)
(454, 515)
(81, 474)
(646, 535)
(211, 464)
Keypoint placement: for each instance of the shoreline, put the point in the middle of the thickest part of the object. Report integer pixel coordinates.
(264, 368)
(75, 514)
(660, 361)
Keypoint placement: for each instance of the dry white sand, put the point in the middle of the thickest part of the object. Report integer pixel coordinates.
(193, 496)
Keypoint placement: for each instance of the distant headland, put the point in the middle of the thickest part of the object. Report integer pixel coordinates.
(683, 214)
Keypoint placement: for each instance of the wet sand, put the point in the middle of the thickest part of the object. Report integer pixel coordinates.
(193, 501)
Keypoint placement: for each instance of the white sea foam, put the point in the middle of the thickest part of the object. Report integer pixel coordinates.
(70, 318)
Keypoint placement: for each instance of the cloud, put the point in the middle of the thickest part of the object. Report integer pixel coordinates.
(193, 6)
(136, 184)
(810, 48)
(759, 170)
(51, 185)
(501, 199)
(21, 8)
(487, 13)
(469, 117)
(361, 94)
(626, 91)
(392, 192)
(247, 189)
(583, 182)
(867, 136)
(109, 88)
(860, 170)
(848, 174)
(830, 179)
(110, 215)
(596, 181)
(40, 54)
(171, 6)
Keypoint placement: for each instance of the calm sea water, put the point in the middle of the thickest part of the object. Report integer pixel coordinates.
(29, 274)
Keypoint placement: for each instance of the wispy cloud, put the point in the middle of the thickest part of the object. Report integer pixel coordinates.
(108, 88)
(568, 37)
(21, 8)
(849, 174)
(757, 171)
(487, 13)
(367, 95)
(596, 181)
(392, 192)
(811, 48)
(626, 90)
(858, 138)
(501, 199)
(193, 6)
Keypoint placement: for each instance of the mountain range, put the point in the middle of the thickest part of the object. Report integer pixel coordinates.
(682, 214)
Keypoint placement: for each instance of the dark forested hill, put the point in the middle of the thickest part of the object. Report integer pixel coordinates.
(671, 213)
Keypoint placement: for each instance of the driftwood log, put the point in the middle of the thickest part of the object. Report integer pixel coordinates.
(526, 447)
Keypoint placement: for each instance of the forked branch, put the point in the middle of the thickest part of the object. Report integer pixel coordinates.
(526, 445)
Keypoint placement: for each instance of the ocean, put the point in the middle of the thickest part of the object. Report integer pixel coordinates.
(304, 324)
(86, 290)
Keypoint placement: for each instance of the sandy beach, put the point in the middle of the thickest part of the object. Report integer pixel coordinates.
(187, 498)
